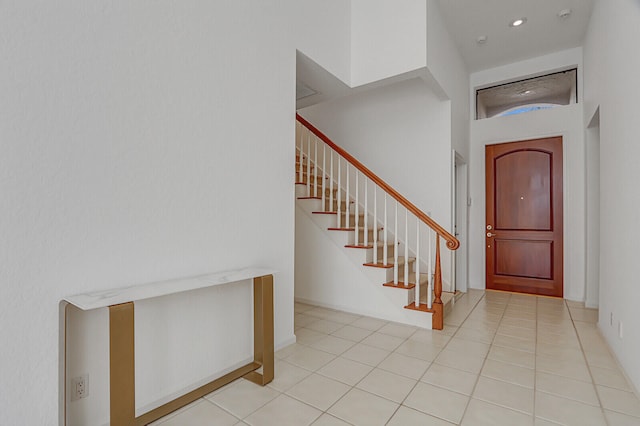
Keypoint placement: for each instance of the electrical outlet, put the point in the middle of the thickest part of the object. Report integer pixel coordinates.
(79, 387)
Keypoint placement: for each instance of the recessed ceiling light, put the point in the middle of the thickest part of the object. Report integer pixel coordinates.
(564, 13)
(526, 92)
(518, 22)
(481, 39)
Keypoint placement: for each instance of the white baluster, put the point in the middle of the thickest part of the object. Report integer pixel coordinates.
(429, 273)
(357, 239)
(395, 249)
(300, 158)
(309, 165)
(315, 168)
(331, 182)
(406, 247)
(324, 176)
(375, 224)
(346, 210)
(385, 249)
(339, 195)
(417, 267)
(366, 212)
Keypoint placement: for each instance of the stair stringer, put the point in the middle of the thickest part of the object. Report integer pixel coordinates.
(329, 274)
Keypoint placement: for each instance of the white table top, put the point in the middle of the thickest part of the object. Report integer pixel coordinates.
(102, 299)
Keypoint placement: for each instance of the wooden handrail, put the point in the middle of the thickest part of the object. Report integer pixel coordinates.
(452, 242)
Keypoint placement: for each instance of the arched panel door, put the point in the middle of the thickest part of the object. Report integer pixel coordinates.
(524, 217)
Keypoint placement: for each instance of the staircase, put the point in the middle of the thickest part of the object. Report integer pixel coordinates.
(392, 243)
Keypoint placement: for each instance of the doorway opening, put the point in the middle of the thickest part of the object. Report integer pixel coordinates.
(460, 210)
(592, 296)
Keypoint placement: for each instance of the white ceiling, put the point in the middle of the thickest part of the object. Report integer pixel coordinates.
(544, 32)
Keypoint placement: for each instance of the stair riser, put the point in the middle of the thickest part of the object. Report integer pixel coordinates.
(334, 207)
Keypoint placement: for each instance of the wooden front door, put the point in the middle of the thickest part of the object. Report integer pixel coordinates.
(523, 233)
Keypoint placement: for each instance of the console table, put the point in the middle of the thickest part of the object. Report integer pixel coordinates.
(122, 345)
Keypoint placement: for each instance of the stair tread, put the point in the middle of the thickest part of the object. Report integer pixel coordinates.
(351, 229)
(368, 246)
(412, 282)
(389, 264)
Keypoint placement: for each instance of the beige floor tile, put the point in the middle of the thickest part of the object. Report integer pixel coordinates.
(283, 411)
(302, 320)
(619, 401)
(366, 354)
(383, 341)
(325, 326)
(344, 317)
(585, 315)
(600, 359)
(199, 413)
(509, 373)
(398, 330)
(505, 394)
(328, 420)
(554, 339)
(333, 345)
(480, 324)
(345, 370)
(288, 350)
(416, 349)
(481, 413)
(460, 361)
(438, 402)
(369, 323)
(286, 375)
(508, 330)
(567, 388)
(387, 385)
(450, 378)
(302, 307)
(243, 398)
(407, 417)
(482, 336)
(309, 358)
(541, 422)
(404, 365)
(431, 337)
(362, 408)
(321, 312)
(567, 412)
(306, 336)
(468, 347)
(528, 345)
(349, 332)
(560, 352)
(318, 391)
(619, 419)
(571, 369)
(512, 356)
(610, 378)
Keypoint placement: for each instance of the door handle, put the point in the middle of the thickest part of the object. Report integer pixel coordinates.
(489, 235)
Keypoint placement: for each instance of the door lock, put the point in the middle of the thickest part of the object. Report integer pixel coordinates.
(489, 227)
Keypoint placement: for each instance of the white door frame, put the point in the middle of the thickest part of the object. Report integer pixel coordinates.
(460, 221)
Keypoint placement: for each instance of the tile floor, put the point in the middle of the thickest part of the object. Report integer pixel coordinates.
(502, 359)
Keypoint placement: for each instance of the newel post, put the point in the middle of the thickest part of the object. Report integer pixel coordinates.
(437, 321)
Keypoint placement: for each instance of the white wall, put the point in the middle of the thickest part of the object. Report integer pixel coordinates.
(387, 38)
(448, 68)
(323, 33)
(126, 158)
(401, 133)
(611, 74)
(565, 121)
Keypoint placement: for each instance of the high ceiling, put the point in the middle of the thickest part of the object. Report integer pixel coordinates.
(543, 32)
